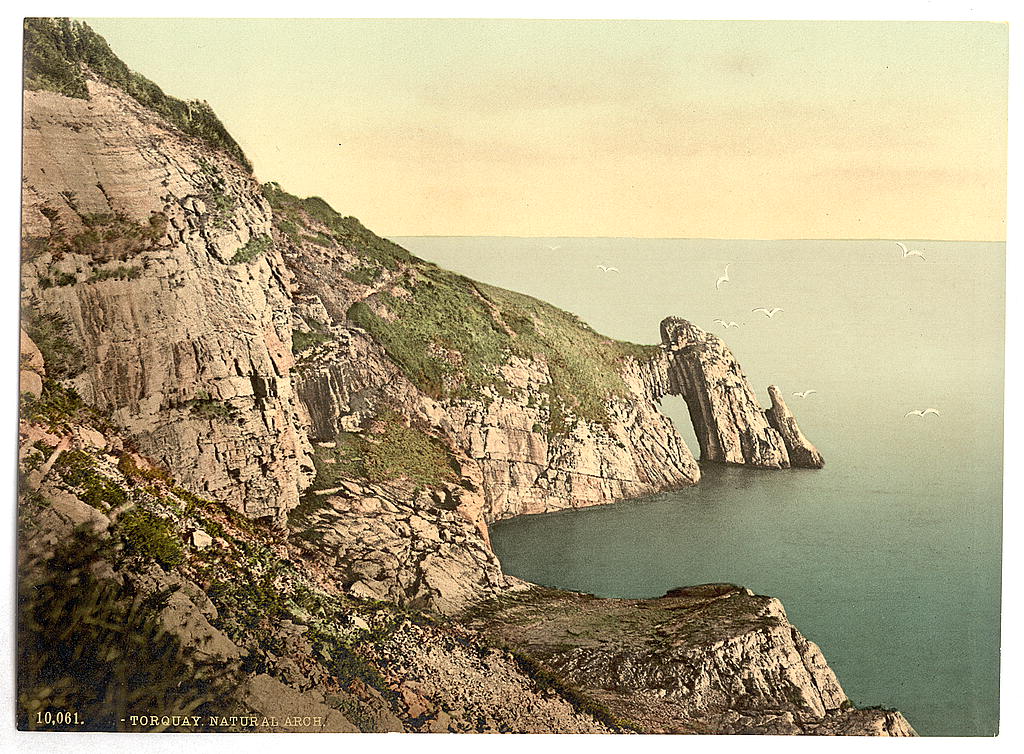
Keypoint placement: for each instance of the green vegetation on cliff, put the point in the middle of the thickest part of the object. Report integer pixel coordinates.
(390, 450)
(451, 335)
(55, 48)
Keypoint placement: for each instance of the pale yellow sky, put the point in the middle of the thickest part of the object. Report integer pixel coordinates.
(617, 128)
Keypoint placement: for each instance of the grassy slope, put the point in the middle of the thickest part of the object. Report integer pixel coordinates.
(450, 334)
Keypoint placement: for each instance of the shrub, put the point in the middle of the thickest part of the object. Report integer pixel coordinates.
(51, 332)
(146, 534)
(115, 273)
(252, 249)
(89, 645)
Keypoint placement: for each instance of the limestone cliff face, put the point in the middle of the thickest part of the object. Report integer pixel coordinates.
(730, 425)
(503, 439)
(131, 232)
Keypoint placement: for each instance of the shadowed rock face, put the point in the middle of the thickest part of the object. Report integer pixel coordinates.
(730, 425)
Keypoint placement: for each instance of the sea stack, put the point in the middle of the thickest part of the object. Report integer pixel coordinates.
(802, 454)
(730, 425)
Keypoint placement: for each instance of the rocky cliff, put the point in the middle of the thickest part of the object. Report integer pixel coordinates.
(295, 433)
(708, 659)
(730, 425)
(139, 238)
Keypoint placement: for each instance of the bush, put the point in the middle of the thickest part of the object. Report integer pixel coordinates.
(115, 273)
(51, 332)
(150, 536)
(252, 249)
(89, 646)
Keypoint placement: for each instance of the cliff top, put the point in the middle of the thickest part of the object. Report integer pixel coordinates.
(59, 52)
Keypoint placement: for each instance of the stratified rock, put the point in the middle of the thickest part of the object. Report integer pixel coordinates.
(729, 423)
(801, 453)
(710, 659)
(188, 351)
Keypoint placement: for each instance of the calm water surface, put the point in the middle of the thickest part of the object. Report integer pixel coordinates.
(888, 557)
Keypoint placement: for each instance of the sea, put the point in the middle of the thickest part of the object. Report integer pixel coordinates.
(889, 557)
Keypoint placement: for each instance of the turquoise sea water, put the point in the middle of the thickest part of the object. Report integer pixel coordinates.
(889, 557)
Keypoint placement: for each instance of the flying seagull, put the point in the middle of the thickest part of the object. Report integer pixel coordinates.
(554, 248)
(725, 324)
(922, 412)
(804, 393)
(607, 269)
(767, 312)
(723, 279)
(909, 252)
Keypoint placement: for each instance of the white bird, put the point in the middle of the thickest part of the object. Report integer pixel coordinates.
(909, 252)
(922, 412)
(554, 248)
(767, 312)
(804, 393)
(727, 325)
(607, 269)
(723, 279)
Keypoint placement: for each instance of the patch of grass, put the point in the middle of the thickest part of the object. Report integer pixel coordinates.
(329, 227)
(221, 206)
(365, 275)
(59, 407)
(115, 273)
(147, 534)
(303, 339)
(402, 451)
(210, 408)
(290, 230)
(52, 334)
(108, 236)
(346, 460)
(252, 249)
(55, 48)
(440, 315)
(78, 470)
(59, 279)
(127, 466)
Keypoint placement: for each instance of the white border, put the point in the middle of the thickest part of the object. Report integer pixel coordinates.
(10, 47)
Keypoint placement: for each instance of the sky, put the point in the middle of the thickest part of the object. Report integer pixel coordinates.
(609, 128)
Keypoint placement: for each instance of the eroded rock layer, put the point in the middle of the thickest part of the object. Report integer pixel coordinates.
(709, 659)
(133, 232)
(730, 425)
